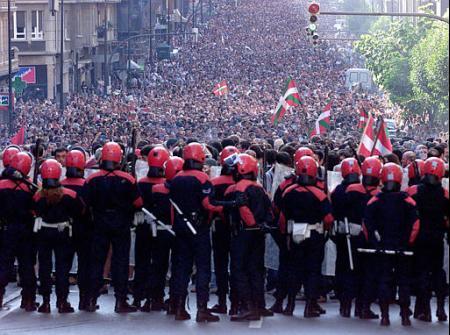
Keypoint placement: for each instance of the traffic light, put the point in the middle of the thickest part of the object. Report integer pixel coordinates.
(311, 30)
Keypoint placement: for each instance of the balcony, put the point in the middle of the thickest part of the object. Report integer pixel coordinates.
(4, 6)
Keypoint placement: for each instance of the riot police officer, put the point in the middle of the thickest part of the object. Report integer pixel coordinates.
(56, 210)
(250, 223)
(432, 204)
(305, 216)
(82, 228)
(16, 202)
(391, 226)
(113, 198)
(415, 172)
(221, 234)
(143, 248)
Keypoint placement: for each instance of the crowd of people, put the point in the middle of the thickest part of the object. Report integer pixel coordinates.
(195, 201)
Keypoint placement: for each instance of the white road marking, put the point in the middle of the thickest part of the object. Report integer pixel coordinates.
(256, 324)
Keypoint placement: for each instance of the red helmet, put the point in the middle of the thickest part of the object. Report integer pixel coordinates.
(194, 151)
(392, 173)
(51, 173)
(112, 152)
(173, 166)
(22, 163)
(434, 166)
(350, 166)
(227, 152)
(76, 159)
(301, 152)
(157, 157)
(247, 165)
(416, 169)
(8, 154)
(371, 167)
(306, 166)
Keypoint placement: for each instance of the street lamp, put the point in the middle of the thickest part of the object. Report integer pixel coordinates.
(10, 95)
(61, 69)
(105, 52)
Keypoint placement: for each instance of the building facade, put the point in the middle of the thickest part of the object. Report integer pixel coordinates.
(37, 36)
(4, 45)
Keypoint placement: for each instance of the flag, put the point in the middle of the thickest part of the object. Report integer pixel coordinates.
(363, 117)
(383, 144)
(221, 88)
(290, 98)
(19, 138)
(323, 122)
(367, 139)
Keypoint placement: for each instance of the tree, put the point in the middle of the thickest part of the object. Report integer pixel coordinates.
(410, 62)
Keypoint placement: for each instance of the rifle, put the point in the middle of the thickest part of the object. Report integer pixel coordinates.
(349, 244)
(325, 164)
(36, 160)
(386, 252)
(131, 159)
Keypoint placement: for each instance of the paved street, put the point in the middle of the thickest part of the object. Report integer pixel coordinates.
(105, 322)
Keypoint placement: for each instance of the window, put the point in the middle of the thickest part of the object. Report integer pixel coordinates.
(20, 31)
(37, 32)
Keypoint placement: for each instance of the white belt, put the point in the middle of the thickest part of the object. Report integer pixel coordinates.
(301, 231)
(355, 229)
(39, 223)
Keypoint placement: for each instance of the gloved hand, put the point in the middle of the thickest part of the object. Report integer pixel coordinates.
(241, 200)
(139, 218)
(265, 228)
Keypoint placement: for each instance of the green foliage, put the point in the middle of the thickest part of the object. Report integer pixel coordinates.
(410, 62)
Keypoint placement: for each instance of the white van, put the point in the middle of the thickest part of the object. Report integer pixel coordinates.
(355, 78)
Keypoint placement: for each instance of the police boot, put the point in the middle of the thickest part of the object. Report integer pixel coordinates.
(83, 302)
(1, 301)
(418, 307)
(440, 312)
(221, 306)
(137, 303)
(234, 309)
(367, 314)
(180, 312)
(203, 315)
(405, 313)
(122, 306)
(171, 306)
(384, 307)
(147, 307)
(30, 305)
(346, 308)
(248, 312)
(425, 314)
(290, 307)
(45, 307)
(319, 308)
(358, 308)
(310, 311)
(277, 307)
(264, 312)
(158, 305)
(91, 305)
(64, 306)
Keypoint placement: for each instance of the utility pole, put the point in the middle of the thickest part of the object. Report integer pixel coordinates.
(168, 22)
(10, 95)
(150, 31)
(105, 52)
(129, 35)
(193, 13)
(201, 11)
(61, 68)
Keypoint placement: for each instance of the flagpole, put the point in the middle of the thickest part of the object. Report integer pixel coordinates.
(377, 133)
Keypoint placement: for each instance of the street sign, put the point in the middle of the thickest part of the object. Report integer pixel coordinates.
(4, 100)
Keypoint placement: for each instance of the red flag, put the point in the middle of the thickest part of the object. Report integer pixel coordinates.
(19, 138)
(221, 88)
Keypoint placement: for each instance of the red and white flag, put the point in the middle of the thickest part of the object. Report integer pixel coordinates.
(323, 123)
(367, 139)
(363, 118)
(221, 89)
(383, 145)
(375, 144)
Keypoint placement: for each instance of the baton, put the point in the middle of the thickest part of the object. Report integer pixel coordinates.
(190, 226)
(151, 216)
(349, 244)
(386, 252)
